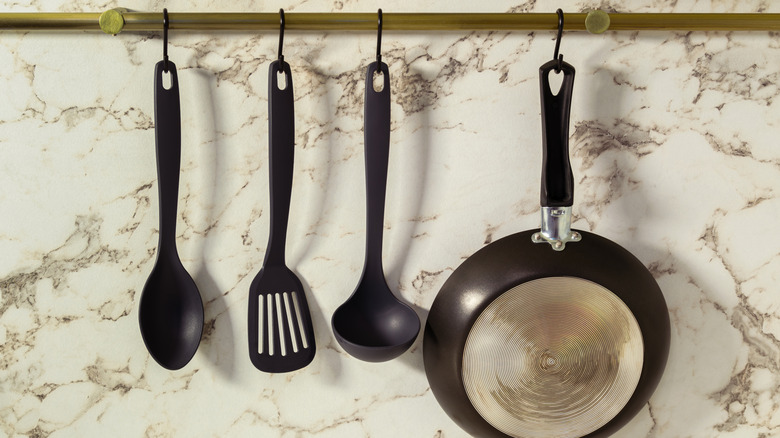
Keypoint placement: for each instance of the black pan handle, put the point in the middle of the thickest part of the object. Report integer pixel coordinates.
(376, 131)
(557, 177)
(167, 129)
(281, 153)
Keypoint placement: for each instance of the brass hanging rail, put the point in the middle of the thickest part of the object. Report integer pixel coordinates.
(119, 20)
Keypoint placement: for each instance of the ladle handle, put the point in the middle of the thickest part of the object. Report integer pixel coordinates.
(167, 129)
(557, 178)
(376, 130)
(281, 153)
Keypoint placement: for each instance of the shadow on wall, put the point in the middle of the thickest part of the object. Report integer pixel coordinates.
(217, 343)
(315, 198)
(408, 175)
(706, 348)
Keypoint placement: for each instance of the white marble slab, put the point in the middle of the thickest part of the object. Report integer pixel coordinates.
(674, 149)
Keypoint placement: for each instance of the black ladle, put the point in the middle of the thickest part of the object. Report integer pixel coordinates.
(171, 310)
(373, 325)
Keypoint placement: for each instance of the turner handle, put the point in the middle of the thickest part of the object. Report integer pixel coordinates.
(281, 154)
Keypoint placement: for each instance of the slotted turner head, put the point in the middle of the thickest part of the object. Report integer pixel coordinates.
(283, 340)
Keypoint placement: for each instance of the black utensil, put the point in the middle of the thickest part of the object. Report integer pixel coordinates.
(373, 325)
(532, 336)
(171, 310)
(281, 336)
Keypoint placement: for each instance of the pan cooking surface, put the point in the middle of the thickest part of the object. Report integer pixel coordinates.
(552, 357)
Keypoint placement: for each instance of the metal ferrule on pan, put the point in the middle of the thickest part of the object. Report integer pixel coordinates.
(556, 228)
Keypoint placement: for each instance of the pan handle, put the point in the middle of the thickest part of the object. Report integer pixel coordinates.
(557, 191)
(557, 178)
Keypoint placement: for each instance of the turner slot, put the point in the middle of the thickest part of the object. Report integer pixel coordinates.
(279, 324)
(290, 323)
(270, 318)
(260, 326)
(297, 307)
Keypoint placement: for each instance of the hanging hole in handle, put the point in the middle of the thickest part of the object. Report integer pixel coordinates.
(378, 81)
(556, 81)
(167, 80)
(281, 80)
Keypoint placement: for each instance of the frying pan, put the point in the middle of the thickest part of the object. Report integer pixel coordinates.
(547, 333)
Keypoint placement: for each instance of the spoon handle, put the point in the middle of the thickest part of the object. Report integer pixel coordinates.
(376, 131)
(167, 129)
(281, 153)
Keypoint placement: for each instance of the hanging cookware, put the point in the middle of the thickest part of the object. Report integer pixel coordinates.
(534, 337)
(170, 312)
(281, 333)
(373, 325)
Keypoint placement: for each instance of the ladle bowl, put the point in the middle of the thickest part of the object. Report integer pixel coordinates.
(373, 325)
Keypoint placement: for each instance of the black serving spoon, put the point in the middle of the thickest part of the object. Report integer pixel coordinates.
(171, 310)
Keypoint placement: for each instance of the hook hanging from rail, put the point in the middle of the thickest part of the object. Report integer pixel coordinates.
(166, 23)
(379, 37)
(558, 41)
(281, 33)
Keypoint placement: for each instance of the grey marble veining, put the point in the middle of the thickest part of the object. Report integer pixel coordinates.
(675, 154)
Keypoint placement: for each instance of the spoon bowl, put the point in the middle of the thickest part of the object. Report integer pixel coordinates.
(170, 314)
(373, 325)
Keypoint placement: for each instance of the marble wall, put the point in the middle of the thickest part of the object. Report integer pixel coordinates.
(675, 155)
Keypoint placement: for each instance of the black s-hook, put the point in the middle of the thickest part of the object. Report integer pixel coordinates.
(379, 37)
(556, 56)
(166, 23)
(281, 33)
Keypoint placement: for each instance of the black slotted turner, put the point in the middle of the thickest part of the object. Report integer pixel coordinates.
(281, 336)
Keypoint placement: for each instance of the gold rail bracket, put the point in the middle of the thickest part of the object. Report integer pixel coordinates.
(597, 21)
(112, 21)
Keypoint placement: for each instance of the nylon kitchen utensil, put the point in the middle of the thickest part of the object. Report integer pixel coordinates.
(281, 335)
(534, 337)
(170, 313)
(373, 325)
